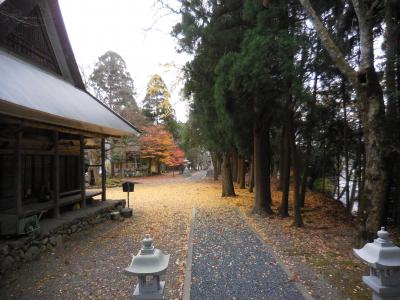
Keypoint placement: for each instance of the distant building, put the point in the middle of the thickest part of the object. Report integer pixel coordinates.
(47, 117)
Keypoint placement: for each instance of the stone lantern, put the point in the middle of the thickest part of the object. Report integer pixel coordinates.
(149, 264)
(186, 172)
(383, 258)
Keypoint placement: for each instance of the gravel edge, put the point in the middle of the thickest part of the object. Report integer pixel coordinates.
(301, 287)
(188, 273)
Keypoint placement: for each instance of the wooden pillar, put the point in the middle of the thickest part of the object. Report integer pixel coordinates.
(18, 174)
(82, 170)
(103, 169)
(56, 176)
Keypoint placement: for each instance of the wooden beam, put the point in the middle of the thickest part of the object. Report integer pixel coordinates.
(41, 152)
(56, 176)
(18, 174)
(36, 124)
(92, 147)
(103, 169)
(68, 153)
(37, 152)
(82, 170)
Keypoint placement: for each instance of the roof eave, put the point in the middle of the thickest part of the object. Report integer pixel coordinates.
(138, 131)
(22, 112)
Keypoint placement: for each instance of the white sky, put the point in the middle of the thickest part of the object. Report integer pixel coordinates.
(96, 26)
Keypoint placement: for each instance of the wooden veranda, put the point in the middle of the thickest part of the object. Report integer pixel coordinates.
(44, 167)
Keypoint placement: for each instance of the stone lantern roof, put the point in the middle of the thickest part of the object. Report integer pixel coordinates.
(149, 260)
(382, 253)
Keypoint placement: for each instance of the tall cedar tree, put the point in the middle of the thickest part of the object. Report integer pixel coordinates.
(112, 82)
(250, 85)
(113, 85)
(220, 31)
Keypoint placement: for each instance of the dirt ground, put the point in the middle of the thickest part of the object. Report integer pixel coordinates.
(91, 264)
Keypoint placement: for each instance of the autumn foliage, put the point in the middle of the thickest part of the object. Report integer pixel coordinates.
(158, 144)
(176, 158)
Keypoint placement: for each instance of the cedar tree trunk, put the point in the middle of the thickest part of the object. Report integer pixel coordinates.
(285, 176)
(281, 159)
(234, 164)
(214, 159)
(262, 201)
(251, 174)
(242, 173)
(227, 182)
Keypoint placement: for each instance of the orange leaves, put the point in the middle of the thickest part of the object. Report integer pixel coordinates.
(158, 143)
(176, 158)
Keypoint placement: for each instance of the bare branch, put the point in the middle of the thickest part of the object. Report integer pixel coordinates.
(330, 46)
(156, 20)
(165, 5)
(366, 37)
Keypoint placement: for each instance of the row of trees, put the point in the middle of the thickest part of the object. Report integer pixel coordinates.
(295, 88)
(112, 84)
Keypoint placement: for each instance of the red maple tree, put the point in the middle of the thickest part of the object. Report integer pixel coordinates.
(158, 146)
(176, 158)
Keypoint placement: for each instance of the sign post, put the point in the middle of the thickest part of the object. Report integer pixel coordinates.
(127, 187)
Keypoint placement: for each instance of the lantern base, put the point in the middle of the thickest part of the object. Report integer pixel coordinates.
(156, 295)
(381, 292)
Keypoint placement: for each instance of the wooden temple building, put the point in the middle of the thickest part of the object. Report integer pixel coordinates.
(47, 118)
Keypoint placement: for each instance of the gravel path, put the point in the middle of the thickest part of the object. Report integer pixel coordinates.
(196, 176)
(230, 262)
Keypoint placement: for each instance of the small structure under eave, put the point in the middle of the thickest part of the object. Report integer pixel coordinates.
(46, 116)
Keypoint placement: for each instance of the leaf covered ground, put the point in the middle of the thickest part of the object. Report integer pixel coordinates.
(90, 265)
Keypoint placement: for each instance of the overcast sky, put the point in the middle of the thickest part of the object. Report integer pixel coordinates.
(96, 26)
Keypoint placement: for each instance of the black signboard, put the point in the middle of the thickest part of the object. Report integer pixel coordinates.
(128, 186)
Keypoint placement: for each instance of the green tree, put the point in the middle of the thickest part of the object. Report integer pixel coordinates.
(112, 82)
(113, 85)
(262, 79)
(210, 30)
(252, 88)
